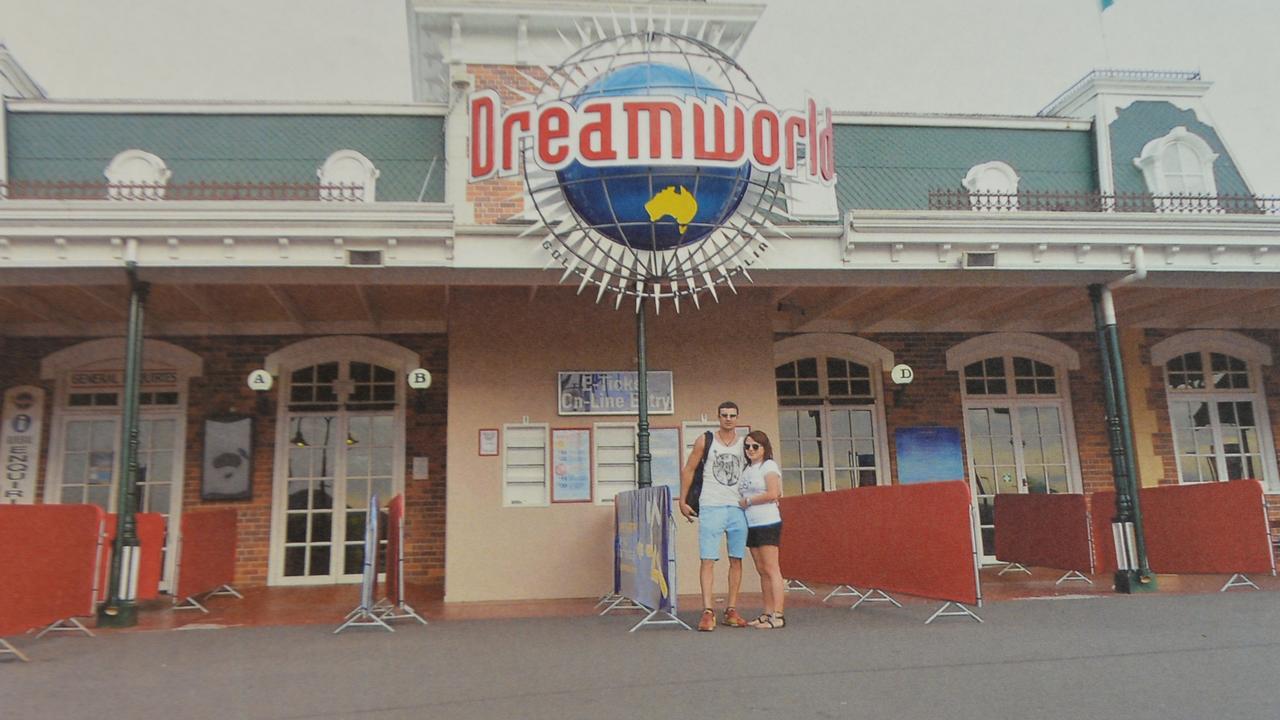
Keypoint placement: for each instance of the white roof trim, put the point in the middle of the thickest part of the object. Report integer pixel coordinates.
(1221, 341)
(1029, 345)
(833, 344)
(187, 363)
(1011, 122)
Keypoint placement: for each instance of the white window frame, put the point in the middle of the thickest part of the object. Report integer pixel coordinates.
(875, 357)
(134, 167)
(348, 168)
(598, 450)
(1255, 355)
(156, 354)
(519, 430)
(979, 180)
(1060, 356)
(1155, 173)
(343, 349)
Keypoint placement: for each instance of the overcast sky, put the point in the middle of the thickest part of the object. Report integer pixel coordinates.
(986, 56)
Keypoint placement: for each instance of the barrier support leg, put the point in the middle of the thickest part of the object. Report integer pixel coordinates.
(1244, 581)
(225, 590)
(1014, 567)
(363, 617)
(842, 591)
(190, 603)
(7, 649)
(400, 612)
(623, 603)
(58, 626)
(797, 586)
(1073, 576)
(961, 611)
(670, 619)
(607, 598)
(882, 597)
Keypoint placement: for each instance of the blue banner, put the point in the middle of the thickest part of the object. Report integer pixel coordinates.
(645, 547)
(928, 454)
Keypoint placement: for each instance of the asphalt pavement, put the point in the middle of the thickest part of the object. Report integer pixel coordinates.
(1170, 657)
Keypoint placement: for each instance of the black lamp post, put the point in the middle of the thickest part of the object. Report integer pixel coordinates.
(644, 460)
(121, 607)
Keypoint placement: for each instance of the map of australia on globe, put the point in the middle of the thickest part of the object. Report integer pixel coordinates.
(676, 202)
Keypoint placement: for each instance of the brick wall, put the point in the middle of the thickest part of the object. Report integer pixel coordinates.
(222, 390)
(500, 199)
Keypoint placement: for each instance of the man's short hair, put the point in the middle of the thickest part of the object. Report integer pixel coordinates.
(728, 405)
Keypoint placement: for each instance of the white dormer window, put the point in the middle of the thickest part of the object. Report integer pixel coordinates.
(136, 175)
(1180, 163)
(348, 175)
(992, 178)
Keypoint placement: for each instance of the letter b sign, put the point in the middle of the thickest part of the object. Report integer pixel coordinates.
(419, 379)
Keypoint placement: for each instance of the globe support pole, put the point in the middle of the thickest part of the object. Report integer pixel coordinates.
(644, 460)
(121, 607)
(1133, 574)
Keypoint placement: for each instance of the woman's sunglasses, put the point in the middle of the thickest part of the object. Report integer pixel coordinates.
(752, 446)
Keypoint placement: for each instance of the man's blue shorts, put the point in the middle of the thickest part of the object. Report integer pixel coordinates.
(719, 520)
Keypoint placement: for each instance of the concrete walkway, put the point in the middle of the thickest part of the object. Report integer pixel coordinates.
(1169, 657)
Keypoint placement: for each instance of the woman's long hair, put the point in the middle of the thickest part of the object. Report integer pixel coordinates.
(760, 437)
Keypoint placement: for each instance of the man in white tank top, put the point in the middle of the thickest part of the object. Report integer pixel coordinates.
(718, 513)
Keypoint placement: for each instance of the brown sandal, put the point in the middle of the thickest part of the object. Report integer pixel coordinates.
(771, 622)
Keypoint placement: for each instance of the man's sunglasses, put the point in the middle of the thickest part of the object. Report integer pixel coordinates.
(727, 416)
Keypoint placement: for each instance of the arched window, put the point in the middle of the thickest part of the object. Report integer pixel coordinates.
(1216, 406)
(992, 178)
(1019, 433)
(348, 175)
(136, 175)
(86, 439)
(1180, 163)
(830, 413)
(339, 443)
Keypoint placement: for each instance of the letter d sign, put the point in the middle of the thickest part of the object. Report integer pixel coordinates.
(419, 379)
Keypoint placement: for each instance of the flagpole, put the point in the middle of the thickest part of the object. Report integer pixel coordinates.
(1103, 5)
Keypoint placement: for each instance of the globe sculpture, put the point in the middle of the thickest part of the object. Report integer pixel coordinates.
(643, 230)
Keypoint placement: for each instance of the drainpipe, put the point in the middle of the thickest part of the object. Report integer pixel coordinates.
(1133, 573)
(121, 607)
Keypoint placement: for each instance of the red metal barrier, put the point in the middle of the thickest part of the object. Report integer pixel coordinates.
(1049, 531)
(1207, 528)
(48, 554)
(914, 539)
(150, 531)
(207, 560)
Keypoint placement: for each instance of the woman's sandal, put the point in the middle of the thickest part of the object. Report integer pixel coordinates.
(770, 622)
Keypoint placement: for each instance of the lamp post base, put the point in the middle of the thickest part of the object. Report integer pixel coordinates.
(1131, 582)
(118, 616)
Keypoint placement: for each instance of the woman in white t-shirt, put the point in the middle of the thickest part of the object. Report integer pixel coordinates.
(760, 487)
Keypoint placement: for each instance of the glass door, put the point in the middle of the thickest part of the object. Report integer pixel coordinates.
(336, 463)
(90, 466)
(1014, 448)
(800, 449)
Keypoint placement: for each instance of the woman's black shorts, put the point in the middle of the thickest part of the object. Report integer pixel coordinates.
(764, 535)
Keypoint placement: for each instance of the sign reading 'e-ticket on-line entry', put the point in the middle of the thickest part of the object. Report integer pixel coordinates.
(613, 393)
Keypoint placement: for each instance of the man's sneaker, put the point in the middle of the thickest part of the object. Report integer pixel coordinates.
(708, 621)
(733, 619)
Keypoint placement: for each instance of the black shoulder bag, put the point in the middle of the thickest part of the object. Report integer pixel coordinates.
(695, 488)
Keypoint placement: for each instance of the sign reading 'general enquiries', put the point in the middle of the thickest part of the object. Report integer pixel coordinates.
(20, 443)
(584, 392)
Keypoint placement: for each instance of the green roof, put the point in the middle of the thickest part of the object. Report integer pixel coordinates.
(893, 167)
(1146, 120)
(408, 150)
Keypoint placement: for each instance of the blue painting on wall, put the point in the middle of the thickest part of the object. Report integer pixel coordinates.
(928, 454)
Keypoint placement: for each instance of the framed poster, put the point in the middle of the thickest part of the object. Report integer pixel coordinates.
(228, 458)
(928, 454)
(570, 465)
(488, 442)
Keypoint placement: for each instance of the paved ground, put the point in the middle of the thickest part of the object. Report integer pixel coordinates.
(1169, 657)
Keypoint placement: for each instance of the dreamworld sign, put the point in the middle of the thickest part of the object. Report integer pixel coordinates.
(653, 161)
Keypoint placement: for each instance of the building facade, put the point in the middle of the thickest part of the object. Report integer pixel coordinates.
(340, 247)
